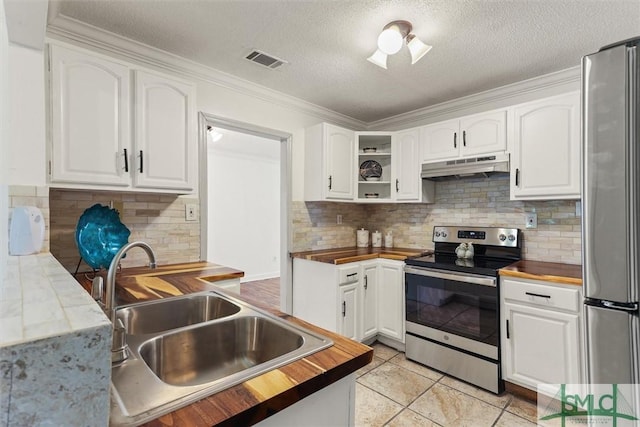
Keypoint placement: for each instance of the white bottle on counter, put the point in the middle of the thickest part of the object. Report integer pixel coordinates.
(376, 239)
(388, 240)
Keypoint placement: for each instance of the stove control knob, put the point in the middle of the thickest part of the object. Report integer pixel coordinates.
(437, 234)
(512, 237)
(444, 234)
(502, 237)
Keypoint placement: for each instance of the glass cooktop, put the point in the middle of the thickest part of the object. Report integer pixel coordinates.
(477, 265)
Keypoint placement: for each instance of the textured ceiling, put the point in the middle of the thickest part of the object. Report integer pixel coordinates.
(477, 44)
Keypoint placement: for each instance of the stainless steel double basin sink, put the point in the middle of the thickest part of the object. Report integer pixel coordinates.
(182, 349)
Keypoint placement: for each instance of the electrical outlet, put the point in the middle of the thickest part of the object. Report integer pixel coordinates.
(531, 220)
(190, 212)
(578, 208)
(339, 219)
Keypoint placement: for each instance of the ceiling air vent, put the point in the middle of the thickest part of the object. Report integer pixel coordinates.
(265, 60)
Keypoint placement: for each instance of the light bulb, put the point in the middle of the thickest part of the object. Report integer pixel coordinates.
(390, 40)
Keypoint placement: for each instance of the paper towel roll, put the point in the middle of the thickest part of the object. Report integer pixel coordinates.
(362, 238)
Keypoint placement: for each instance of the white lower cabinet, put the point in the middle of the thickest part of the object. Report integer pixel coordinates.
(348, 311)
(360, 300)
(391, 299)
(369, 298)
(541, 338)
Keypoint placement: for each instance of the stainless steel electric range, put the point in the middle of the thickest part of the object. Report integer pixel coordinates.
(452, 303)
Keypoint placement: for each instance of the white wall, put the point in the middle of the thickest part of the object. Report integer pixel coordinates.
(244, 204)
(27, 152)
(4, 146)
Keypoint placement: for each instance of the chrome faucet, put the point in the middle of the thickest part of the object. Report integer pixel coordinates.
(119, 344)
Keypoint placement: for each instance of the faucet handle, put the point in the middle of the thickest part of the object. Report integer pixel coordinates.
(97, 288)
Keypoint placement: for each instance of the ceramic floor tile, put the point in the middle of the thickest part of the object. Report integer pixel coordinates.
(396, 383)
(373, 409)
(408, 418)
(507, 419)
(374, 364)
(523, 408)
(493, 399)
(383, 352)
(401, 360)
(449, 407)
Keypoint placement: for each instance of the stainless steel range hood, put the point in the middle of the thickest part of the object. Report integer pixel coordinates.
(473, 166)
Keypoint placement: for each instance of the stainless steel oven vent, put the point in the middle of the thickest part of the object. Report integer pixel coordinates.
(473, 166)
(265, 59)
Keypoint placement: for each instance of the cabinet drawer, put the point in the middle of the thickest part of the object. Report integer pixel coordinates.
(543, 295)
(348, 274)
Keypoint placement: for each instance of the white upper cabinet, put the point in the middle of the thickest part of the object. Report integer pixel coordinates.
(329, 163)
(165, 142)
(406, 179)
(468, 136)
(90, 128)
(546, 154)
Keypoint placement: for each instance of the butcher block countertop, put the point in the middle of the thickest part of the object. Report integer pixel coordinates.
(569, 274)
(354, 254)
(256, 399)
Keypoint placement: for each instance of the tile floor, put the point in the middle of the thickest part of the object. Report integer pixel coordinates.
(394, 391)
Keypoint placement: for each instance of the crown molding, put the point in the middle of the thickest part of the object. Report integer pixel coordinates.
(508, 94)
(69, 30)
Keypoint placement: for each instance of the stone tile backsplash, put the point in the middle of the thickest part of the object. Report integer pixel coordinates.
(157, 219)
(473, 201)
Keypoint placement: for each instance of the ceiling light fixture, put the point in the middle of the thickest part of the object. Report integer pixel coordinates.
(390, 42)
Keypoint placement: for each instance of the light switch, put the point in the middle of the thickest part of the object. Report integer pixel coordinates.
(190, 212)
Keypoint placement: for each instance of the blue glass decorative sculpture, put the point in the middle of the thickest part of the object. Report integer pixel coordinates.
(100, 235)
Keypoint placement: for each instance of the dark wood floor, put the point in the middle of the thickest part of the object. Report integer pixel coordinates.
(267, 290)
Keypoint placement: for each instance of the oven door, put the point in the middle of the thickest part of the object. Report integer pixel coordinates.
(454, 309)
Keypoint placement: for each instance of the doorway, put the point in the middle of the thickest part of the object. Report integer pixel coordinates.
(245, 201)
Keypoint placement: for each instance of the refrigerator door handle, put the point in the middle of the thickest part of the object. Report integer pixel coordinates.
(630, 307)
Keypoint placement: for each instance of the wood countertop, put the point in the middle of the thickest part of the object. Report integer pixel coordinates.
(254, 400)
(354, 254)
(569, 274)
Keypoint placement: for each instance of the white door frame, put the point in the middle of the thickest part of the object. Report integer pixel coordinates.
(286, 266)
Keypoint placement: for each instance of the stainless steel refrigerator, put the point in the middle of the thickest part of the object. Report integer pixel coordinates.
(611, 212)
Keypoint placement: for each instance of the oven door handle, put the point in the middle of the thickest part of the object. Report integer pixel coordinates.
(458, 277)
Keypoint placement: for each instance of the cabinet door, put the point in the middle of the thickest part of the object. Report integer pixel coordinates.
(339, 163)
(90, 128)
(440, 141)
(406, 181)
(165, 146)
(483, 133)
(546, 155)
(391, 299)
(540, 346)
(348, 311)
(369, 292)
